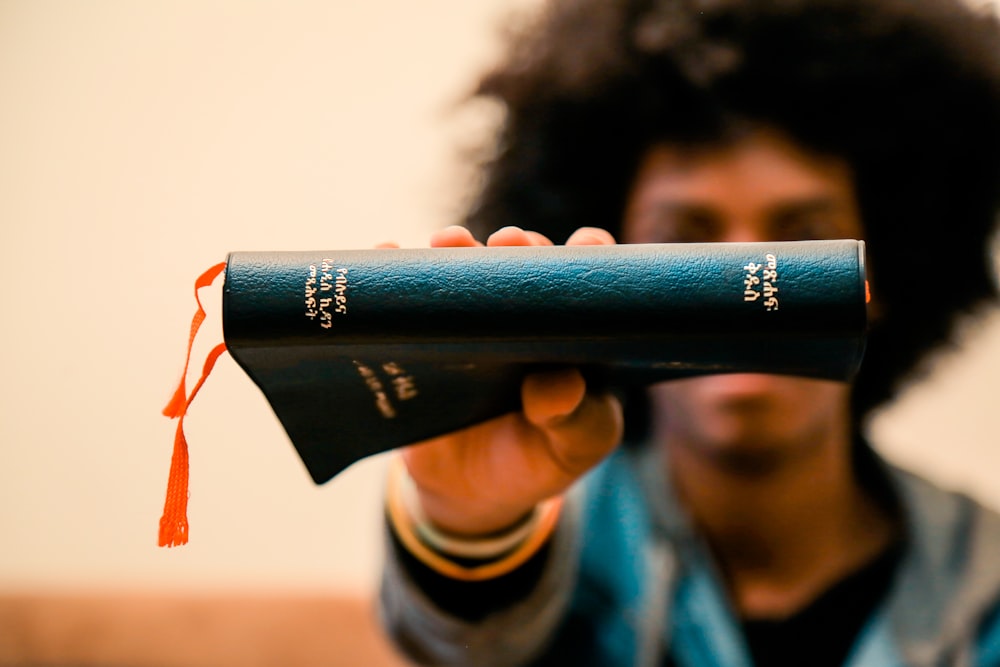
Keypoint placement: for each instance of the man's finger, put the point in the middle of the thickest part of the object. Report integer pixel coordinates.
(552, 396)
(454, 236)
(579, 429)
(515, 236)
(591, 236)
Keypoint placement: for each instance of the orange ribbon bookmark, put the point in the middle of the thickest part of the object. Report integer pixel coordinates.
(174, 523)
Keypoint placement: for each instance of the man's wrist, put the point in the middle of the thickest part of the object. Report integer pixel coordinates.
(460, 557)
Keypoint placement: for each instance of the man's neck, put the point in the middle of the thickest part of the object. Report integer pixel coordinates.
(785, 531)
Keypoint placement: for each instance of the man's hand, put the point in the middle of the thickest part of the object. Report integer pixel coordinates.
(485, 478)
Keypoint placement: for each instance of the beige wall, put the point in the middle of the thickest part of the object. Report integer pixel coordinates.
(139, 142)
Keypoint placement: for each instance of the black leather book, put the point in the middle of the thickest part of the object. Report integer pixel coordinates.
(362, 351)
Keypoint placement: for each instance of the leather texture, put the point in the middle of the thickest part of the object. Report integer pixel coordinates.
(362, 351)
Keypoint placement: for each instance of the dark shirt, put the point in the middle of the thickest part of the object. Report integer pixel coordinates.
(822, 634)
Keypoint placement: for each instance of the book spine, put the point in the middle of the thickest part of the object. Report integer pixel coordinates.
(563, 304)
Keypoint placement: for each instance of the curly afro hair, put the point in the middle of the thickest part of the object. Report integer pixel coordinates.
(907, 92)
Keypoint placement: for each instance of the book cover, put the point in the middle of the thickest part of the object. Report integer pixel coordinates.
(362, 351)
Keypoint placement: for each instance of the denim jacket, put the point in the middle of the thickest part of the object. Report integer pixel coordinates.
(625, 557)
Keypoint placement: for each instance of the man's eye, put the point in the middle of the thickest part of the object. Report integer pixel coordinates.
(692, 228)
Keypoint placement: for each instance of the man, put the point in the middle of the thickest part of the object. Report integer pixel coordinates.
(745, 521)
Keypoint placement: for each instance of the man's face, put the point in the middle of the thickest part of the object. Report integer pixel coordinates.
(759, 188)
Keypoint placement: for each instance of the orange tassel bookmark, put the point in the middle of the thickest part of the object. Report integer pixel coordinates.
(174, 523)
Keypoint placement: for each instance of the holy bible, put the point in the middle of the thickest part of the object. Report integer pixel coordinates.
(362, 351)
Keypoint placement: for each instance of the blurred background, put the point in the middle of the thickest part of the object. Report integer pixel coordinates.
(141, 142)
